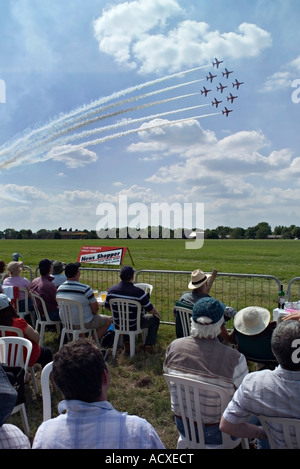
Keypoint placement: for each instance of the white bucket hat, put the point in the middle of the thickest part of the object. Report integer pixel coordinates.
(198, 278)
(251, 320)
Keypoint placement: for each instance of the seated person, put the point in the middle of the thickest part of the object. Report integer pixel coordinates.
(9, 317)
(44, 287)
(58, 273)
(15, 279)
(253, 331)
(199, 288)
(127, 290)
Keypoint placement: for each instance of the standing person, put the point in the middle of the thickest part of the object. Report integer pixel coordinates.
(58, 274)
(273, 393)
(202, 356)
(11, 436)
(15, 279)
(45, 288)
(9, 317)
(199, 287)
(74, 290)
(127, 290)
(87, 419)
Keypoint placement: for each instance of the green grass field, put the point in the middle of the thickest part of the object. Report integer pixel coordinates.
(280, 258)
(137, 384)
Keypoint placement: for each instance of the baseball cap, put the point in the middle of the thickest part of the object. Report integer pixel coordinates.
(71, 269)
(208, 307)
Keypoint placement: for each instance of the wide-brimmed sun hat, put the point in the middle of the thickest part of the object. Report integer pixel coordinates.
(198, 278)
(251, 320)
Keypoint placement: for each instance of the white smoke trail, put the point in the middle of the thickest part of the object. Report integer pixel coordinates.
(132, 131)
(54, 136)
(87, 133)
(9, 146)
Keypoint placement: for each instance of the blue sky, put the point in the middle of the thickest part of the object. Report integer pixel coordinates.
(89, 91)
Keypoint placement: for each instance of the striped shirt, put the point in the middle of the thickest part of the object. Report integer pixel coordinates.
(273, 393)
(95, 425)
(128, 291)
(206, 360)
(80, 292)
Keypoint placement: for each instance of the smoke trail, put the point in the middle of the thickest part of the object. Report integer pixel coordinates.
(87, 107)
(55, 136)
(87, 133)
(132, 131)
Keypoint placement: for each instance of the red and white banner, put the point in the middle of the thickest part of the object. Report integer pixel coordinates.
(101, 255)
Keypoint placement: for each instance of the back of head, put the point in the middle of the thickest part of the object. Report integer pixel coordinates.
(45, 266)
(15, 268)
(58, 267)
(71, 269)
(126, 273)
(285, 344)
(207, 318)
(77, 371)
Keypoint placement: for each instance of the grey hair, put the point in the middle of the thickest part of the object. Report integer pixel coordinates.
(284, 344)
(206, 330)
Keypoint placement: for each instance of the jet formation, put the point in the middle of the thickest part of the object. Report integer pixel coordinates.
(225, 74)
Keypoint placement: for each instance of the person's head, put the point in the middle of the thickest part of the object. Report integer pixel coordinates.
(15, 268)
(285, 344)
(198, 281)
(207, 318)
(7, 311)
(80, 372)
(58, 268)
(126, 273)
(16, 256)
(45, 266)
(72, 270)
(251, 320)
(2, 267)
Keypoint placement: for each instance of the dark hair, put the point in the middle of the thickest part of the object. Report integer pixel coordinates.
(77, 370)
(283, 344)
(126, 273)
(45, 266)
(2, 266)
(7, 315)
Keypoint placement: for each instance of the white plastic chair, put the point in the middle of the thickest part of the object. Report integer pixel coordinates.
(68, 310)
(46, 391)
(14, 356)
(282, 433)
(16, 332)
(190, 403)
(40, 325)
(185, 315)
(147, 287)
(122, 313)
(23, 314)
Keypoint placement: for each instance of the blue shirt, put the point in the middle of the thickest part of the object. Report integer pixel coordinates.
(95, 425)
(273, 393)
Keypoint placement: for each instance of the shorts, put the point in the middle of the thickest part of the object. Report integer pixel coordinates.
(98, 321)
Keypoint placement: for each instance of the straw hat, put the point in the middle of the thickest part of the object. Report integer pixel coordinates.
(251, 320)
(198, 278)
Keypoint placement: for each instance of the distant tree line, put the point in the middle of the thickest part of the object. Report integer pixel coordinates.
(260, 231)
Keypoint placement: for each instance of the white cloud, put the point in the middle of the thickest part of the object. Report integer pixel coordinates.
(136, 43)
(72, 156)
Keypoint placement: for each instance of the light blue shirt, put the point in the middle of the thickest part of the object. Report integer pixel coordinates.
(96, 425)
(271, 393)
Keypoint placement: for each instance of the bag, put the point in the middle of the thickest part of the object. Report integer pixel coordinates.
(16, 375)
(108, 339)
